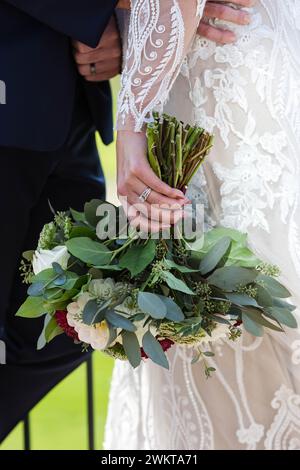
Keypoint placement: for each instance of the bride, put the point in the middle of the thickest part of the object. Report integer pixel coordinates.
(248, 94)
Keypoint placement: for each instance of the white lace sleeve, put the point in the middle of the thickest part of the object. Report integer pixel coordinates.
(160, 33)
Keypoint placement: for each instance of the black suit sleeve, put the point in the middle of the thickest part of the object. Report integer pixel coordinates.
(84, 20)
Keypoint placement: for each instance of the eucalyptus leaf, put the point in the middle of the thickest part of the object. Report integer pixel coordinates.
(119, 321)
(154, 350)
(241, 256)
(174, 312)
(57, 268)
(45, 275)
(215, 255)
(83, 231)
(183, 269)
(264, 298)
(242, 299)
(152, 305)
(60, 280)
(273, 286)
(33, 307)
(283, 304)
(52, 330)
(258, 317)
(36, 289)
(283, 316)
(132, 348)
(41, 343)
(90, 211)
(89, 251)
(93, 313)
(176, 284)
(138, 257)
(77, 216)
(251, 326)
(231, 277)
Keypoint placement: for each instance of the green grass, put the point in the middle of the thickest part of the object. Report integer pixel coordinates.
(59, 421)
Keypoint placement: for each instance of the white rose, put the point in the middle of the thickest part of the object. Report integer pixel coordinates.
(43, 259)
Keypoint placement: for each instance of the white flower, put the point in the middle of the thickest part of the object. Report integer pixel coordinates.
(98, 335)
(102, 288)
(43, 259)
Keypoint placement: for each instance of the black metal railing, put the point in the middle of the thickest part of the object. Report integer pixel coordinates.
(90, 411)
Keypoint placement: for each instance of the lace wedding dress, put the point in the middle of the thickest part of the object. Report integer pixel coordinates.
(248, 94)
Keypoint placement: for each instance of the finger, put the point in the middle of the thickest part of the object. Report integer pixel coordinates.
(220, 36)
(138, 220)
(159, 213)
(226, 13)
(99, 55)
(149, 178)
(137, 186)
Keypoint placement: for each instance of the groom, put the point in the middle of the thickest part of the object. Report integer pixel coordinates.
(48, 118)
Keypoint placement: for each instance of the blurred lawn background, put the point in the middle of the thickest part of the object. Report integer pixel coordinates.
(59, 421)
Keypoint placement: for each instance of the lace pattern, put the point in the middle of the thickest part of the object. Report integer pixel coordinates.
(160, 33)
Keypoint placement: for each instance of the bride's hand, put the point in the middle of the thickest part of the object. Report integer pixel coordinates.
(164, 205)
(219, 9)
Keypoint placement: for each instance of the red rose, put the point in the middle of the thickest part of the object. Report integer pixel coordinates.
(61, 318)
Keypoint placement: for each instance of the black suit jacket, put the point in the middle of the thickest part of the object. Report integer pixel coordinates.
(39, 72)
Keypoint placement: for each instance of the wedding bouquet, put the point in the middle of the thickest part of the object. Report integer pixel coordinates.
(134, 295)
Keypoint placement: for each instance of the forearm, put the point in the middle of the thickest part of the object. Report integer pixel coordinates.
(154, 56)
(81, 20)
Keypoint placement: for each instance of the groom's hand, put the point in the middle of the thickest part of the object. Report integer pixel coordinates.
(105, 61)
(219, 9)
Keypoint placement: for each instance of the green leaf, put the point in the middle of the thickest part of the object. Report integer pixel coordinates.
(73, 280)
(90, 210)
(41, 343)
(61, 280)
(132, 348)
(46, 275)
(152, 305)
(251, 326)
(57, 268)
(183, 269)
(241, 256)
(137, 258)
(93, 313)
(28, 255)
(78, 216)
(118, 321)
(83, 231)
(89, 251)
(213, 236)
(33, 307)
(52, 330)
(231, 277)
(273, 286)
(110, 267)
(174, 312)
(241, 299)
(36, 289)
(283, 316)
(208, 354)
(215, 255)
(154, 350)
(264, 299)
(282, 304)
(176, 284)
(257, 316)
